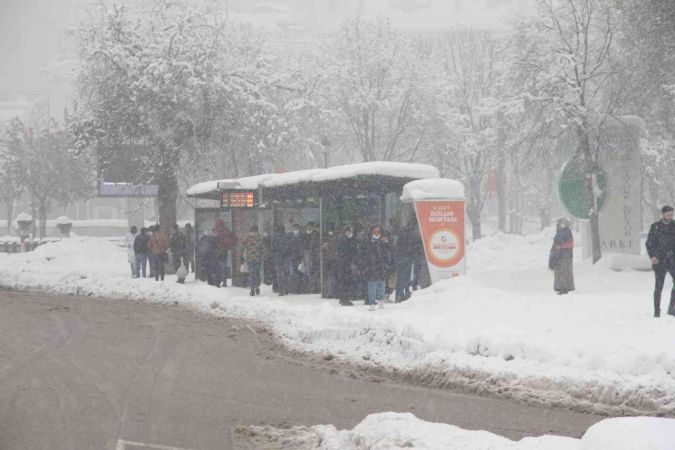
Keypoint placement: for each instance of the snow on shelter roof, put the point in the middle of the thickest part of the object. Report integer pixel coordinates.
(381, 168)
(428, 189)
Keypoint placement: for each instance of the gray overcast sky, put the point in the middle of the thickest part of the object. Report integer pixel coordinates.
(32, 31)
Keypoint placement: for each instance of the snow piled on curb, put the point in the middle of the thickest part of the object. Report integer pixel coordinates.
(498, 330)
(399, 431)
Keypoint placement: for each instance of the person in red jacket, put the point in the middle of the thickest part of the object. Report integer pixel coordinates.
(227, 241)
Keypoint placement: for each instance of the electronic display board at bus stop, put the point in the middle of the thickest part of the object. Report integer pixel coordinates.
(238, 199)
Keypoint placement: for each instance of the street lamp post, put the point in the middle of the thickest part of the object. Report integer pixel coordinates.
(325, 142)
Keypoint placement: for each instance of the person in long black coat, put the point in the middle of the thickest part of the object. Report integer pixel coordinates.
(281, 253)
(406, 251)
(376, 256)
(297, 283)
(661, 250)
(347, 266)
(561, 258)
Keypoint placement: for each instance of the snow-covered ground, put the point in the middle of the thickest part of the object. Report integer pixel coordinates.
(396, 431)
(499, 330)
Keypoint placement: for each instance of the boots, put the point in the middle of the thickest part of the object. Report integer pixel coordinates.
(252, 294)
(257, 291)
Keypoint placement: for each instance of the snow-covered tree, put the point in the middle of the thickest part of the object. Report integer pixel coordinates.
(373, 79)
(646, 40)
(146, 81)
(570, 55)
(468, 100)
(12, 176)
(49, 168)
(199, 95)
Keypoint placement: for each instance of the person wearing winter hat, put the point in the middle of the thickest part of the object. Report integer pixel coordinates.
(661, 250)
(561, 258)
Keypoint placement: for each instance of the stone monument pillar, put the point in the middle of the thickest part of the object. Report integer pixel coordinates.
(620, 161)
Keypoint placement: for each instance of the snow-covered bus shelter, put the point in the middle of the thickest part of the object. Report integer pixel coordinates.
(362, 194)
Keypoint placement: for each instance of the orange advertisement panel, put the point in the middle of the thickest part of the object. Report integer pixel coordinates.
(442, 228)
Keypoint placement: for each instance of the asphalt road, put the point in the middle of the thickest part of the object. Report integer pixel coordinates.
(84, 373)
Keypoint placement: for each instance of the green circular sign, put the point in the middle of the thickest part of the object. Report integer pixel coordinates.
(572, 188)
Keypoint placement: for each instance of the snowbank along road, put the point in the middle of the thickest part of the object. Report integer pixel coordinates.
(88, 373)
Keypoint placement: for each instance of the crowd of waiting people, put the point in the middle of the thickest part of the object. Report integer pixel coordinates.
(359, 262)
(151, 247)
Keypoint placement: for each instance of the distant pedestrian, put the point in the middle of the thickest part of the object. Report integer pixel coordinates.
(131, 257)
(329, 255)
(227, 241)
(254, 249)
(561, 258)
(661, 250)
(297, 281)
(158, 245)
(208, 250)
(189, 249)
(405, 253)
(281, 252)
(141, 251)
(420, 273)
(177, 246)
(312, 258)
(347, 266)
(377, 257)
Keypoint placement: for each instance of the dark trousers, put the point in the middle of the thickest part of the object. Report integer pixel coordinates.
(157, 263)
(141, 264)
(346, 285)
(403, 279)
(660, 275)
(211, 269)
(253, 274)
(282, 270)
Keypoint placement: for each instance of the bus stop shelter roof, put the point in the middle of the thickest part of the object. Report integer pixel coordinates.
(376, 169)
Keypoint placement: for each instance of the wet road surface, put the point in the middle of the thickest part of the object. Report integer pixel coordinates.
(85, 373)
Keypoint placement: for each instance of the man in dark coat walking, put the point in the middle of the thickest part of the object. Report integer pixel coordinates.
(661, 250)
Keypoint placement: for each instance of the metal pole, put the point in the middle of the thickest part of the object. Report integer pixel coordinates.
(321, 243)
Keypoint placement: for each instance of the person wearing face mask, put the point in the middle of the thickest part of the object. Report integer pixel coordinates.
(377, 258)
(661, 250)
(346, 266)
